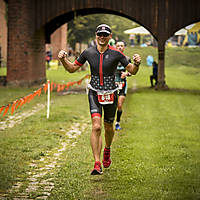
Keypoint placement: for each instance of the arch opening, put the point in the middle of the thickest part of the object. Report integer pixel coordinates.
(58, 21)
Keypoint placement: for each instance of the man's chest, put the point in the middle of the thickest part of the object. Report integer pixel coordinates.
(106, 62)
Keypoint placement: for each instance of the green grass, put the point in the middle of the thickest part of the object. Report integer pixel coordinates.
(3, 71)
(181, 67)
(162, 142)
(155, 156)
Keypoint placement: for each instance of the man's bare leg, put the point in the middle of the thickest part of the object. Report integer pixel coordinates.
(109, 134)
(121, 100)
(96, 139)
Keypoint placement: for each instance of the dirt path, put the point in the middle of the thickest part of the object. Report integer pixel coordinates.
(12, 120)
(40, 181)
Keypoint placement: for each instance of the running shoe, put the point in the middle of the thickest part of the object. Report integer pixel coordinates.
(106, 158)
(117, 127)
(97, 169)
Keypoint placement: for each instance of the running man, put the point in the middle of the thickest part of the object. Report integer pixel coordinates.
(120, 79)
(103, 60)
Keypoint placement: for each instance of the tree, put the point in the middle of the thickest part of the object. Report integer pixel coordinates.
(82, 28)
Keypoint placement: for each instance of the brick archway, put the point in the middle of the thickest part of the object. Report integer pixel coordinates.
(30, 24)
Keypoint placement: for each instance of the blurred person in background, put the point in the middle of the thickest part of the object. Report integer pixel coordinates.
(154, 76)
(120, 79)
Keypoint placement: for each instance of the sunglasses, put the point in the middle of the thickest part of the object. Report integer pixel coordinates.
(103, 34)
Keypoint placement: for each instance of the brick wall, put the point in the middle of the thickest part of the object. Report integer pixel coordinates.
(58, 41)
(26, 47)
(3, 31)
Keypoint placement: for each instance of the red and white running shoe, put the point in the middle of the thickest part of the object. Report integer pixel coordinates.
(106, 158)
(97, 169)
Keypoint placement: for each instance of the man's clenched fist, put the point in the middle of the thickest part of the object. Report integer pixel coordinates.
(137, 59)
(62, 54)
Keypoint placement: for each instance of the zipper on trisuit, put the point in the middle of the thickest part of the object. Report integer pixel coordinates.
(101, 69)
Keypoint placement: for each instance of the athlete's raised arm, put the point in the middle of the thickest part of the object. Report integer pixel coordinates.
(69, 66)
(133, 68)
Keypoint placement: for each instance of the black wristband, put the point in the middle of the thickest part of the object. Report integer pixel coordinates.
(137, 65)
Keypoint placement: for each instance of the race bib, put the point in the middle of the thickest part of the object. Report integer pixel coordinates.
(107, 98)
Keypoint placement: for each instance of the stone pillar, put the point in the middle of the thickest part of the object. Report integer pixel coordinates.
(3, 32)
(26, 47)
(161, 67)
(59, 40)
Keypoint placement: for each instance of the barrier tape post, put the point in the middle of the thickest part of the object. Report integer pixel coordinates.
(48, 87)
(48, 99)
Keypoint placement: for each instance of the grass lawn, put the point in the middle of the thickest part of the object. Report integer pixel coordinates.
(155, 155)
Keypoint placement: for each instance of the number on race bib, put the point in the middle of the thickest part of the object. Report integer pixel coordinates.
(106, 98)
